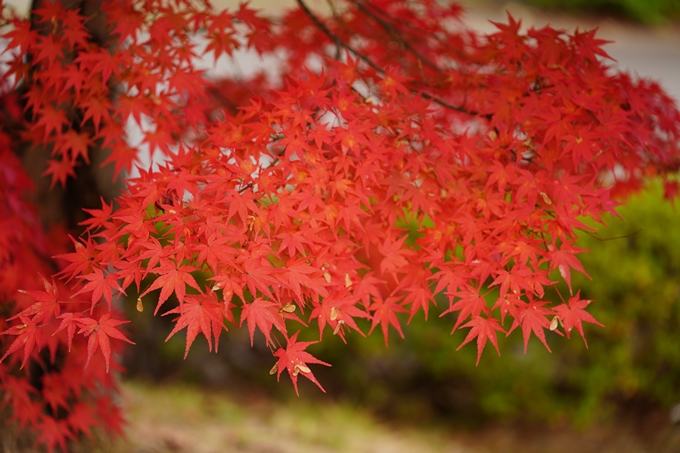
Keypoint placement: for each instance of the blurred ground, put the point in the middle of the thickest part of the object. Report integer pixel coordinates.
(180, 419)
(185, 419)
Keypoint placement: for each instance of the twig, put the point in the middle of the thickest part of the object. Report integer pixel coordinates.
(625, 236)
(336, 39)
(339, 42)
(441, 41)
(395, 35)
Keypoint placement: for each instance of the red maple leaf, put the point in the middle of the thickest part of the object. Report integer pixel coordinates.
(75, 33)
(53, 432)
(100, 217)
(259, 275)
(73, 145)
(46, 306)
(217, 249)
(81, 260)
(264, 315)
(101, 285)
(60, 170)
(471, 303)
(483, 329)
(133, 106)
(21, 36)
(28, 336)
(69, 321)
(221, 42)
(173, 277)
(82, 418)
(295, 360)
(338, 310)
(52, 119)
(573, 313)
(297, 274)
(384, 312)
(74, 78)
(563, 259)
(395, 255)
(99, 332)
(199, 314)
(50, 49)
(97, 109)
(55, 391)
(533, 318)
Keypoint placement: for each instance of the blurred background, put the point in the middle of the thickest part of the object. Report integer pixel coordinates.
(621, 394)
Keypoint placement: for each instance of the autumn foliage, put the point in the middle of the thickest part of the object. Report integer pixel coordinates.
(394, 155)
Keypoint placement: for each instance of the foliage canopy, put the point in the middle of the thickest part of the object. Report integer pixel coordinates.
(290, 199)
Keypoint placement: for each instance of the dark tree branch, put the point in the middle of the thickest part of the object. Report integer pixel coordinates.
(377, 11)
(395, 35)
(336, 39)
(340, 43)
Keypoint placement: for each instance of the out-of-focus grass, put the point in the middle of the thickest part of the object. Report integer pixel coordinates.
(178, 418)
(183, 419)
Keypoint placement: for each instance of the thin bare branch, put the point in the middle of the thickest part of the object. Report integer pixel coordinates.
(395, 35)
(339, 42)
(336, 39)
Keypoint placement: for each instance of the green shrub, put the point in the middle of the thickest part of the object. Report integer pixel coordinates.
(642, 11)
(635, 359)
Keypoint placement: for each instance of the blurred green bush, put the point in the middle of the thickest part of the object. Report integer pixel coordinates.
(649, 12)
(633, 363)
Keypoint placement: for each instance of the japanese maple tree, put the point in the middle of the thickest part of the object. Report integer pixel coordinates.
(393, 156)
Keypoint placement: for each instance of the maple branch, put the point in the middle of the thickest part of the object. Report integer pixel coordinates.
(245, 188)
(436, 100)
(613, 238)
(408, 24)
(47, 259)
(250, 185)
(92, 16)
(336, 39)
(395, 35)
(340, 43)
(336, 16)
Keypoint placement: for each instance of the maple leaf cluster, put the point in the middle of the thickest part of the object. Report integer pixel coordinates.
(395, 156)
(48, 390)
